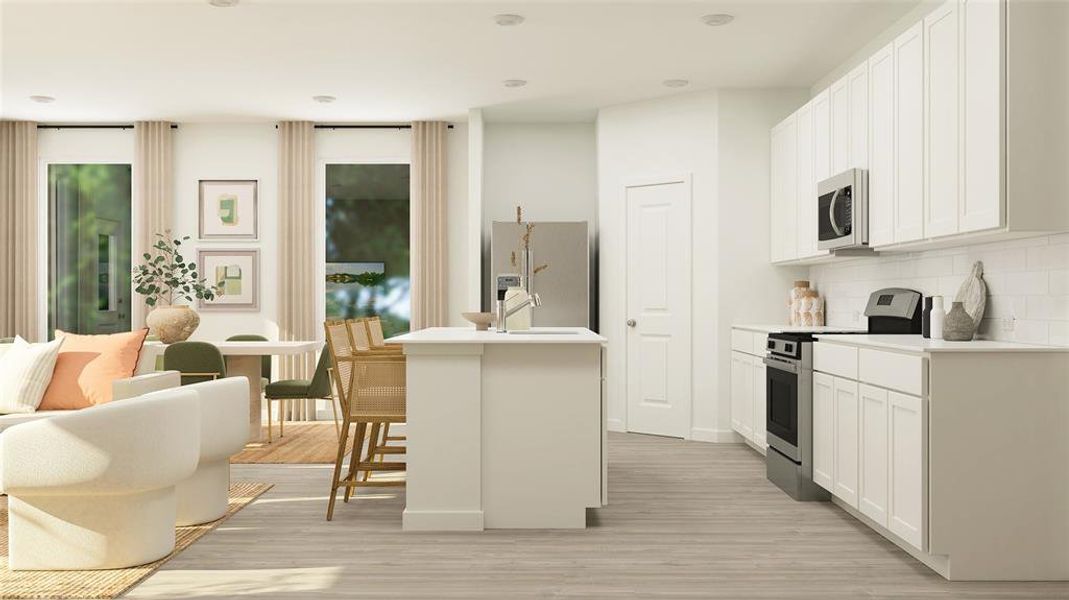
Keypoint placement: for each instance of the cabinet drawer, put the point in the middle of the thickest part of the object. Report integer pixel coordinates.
(835, 359)
(760, 344)
(742, 341)
(902, 372)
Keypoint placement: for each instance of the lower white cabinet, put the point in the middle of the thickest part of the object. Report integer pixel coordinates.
(742, 392)
(874, 448)
(760, 408)
(823, 430)
(845, 412)
(907, 475)
(748, 386)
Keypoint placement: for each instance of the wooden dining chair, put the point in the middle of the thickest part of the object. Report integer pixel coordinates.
(372, 393)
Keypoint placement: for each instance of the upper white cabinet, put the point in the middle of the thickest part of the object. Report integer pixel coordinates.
(954, 121)
(783, 192)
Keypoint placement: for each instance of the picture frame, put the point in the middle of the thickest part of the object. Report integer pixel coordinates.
(228, 209)
(239, 270)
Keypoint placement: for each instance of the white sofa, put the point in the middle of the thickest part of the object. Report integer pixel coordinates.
(95, 488)
(224, 429)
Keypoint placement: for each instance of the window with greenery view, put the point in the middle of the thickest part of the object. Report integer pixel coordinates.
(367, 243)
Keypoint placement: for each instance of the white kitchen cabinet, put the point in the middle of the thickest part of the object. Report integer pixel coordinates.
(845, 415)
(942, 114)
(821, 137)
(742, 392)
(881, 98)
(981, 198)
(906, 459)
(783, 192)
(873, 453)
(760, 387)
(823, 430)
(909, 161)
(839, 93)
(807, 184)
(858, 82)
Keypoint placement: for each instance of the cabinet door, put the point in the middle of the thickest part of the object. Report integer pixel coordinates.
(807, 185)
(742, 395)
(907, 476)
(845, 414)
(872, 460)
(882, 146)
(909, 134)
(821, 137)
(760, 406)
(823, 430)
(981, 195)
(783, 203)
(840, 125)
(859, 117)
(942, 112)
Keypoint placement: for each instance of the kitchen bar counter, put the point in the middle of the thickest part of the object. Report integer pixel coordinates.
(919, 345)
(504, 430)
(796, 328)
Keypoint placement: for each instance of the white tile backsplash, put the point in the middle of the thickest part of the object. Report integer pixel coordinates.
(1027, 280)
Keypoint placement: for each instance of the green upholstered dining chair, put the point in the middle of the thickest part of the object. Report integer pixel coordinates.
(195, 361)
(265, 361)
(7, 340)
(316, 388)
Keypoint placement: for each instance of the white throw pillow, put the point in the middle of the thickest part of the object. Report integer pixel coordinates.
(25, 372)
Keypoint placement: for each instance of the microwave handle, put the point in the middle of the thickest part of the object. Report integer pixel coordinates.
(831, 214)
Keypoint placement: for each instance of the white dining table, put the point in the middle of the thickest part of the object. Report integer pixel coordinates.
(243, 358)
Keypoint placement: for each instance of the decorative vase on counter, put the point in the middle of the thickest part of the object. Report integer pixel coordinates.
(926, 318)
(958, 325)
(794, 301)
(973, 295)
(938, 315)
(172, 323)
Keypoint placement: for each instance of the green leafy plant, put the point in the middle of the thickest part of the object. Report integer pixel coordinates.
(166, 276)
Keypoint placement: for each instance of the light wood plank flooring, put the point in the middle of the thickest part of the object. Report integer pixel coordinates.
(686, 520)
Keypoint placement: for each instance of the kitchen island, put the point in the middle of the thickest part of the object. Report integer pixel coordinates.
(505, 430)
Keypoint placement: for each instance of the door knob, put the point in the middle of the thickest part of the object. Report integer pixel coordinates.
(631, 323)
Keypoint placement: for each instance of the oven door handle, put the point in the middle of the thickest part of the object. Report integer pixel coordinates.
(782, 365)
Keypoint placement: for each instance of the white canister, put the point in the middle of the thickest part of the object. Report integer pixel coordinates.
(938, 314)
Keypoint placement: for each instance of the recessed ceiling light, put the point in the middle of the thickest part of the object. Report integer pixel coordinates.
(717, 20)
(324, 99)
(675, 83)
(506, 20)
(43, 99)
(515, 83)
(223, 3)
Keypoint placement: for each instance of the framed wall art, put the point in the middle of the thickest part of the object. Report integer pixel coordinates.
(237, 273)
(228, 209)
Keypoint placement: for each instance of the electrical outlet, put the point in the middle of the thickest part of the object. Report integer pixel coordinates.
(1007, 325)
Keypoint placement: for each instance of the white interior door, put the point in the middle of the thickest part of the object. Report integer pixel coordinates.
(658, 306)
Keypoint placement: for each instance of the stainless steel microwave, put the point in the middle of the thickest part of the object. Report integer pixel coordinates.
(842, 211)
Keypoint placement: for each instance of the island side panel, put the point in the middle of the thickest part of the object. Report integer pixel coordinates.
(542, 424)
(998, 480)
(444, 434)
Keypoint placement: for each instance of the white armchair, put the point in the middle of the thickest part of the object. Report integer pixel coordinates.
(95, 488)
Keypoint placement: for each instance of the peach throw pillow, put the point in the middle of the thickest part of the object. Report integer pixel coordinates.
(87, 365)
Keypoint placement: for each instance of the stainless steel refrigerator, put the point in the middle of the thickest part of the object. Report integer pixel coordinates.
(565, 285)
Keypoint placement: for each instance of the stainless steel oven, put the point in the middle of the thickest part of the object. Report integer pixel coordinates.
(842, 211)
(789, 415)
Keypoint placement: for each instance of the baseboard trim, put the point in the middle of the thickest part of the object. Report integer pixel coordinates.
(442, 520)
(716, 436)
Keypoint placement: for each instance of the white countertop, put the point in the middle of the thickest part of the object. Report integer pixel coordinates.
(795, 328)
(918, 344)
(468, 335)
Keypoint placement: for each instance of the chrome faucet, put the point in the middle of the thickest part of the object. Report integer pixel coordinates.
(504, 313)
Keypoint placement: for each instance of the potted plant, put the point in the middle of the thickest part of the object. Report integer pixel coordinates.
(165, 278)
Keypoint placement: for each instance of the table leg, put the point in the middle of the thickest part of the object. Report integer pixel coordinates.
(249, 366)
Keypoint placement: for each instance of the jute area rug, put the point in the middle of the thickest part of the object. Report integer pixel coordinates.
(113, 582)
(314, 442)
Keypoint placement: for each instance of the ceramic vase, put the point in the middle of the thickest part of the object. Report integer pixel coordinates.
(958, 325)
(172, 323)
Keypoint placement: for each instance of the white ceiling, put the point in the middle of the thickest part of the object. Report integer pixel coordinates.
(400, 61)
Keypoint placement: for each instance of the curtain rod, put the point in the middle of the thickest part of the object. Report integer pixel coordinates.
(317, 126)
(47, 126)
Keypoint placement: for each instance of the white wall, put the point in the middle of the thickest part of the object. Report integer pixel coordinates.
(1027, 280)
(664, 137)
(751, 290)
(548, 168)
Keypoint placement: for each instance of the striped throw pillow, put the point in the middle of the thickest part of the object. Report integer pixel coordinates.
(25, 371)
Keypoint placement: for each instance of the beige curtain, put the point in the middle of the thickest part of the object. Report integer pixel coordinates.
(296, 258)
(428, 224)
(19, 283)
(153, 188)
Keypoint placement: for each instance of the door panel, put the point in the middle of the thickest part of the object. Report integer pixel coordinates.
(882, 158)
(840, 126)
(784, 188)
(909, 135)
(823, 430)
(806, 199)
(758, 398)
(907, 457)
(981, 197)
(742, 394)
(658, 301)
(859, 117)
(846, 440)
(941, 120)
(872, 483)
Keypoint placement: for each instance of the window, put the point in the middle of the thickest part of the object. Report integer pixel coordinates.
(89, 248)
(367, 243)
